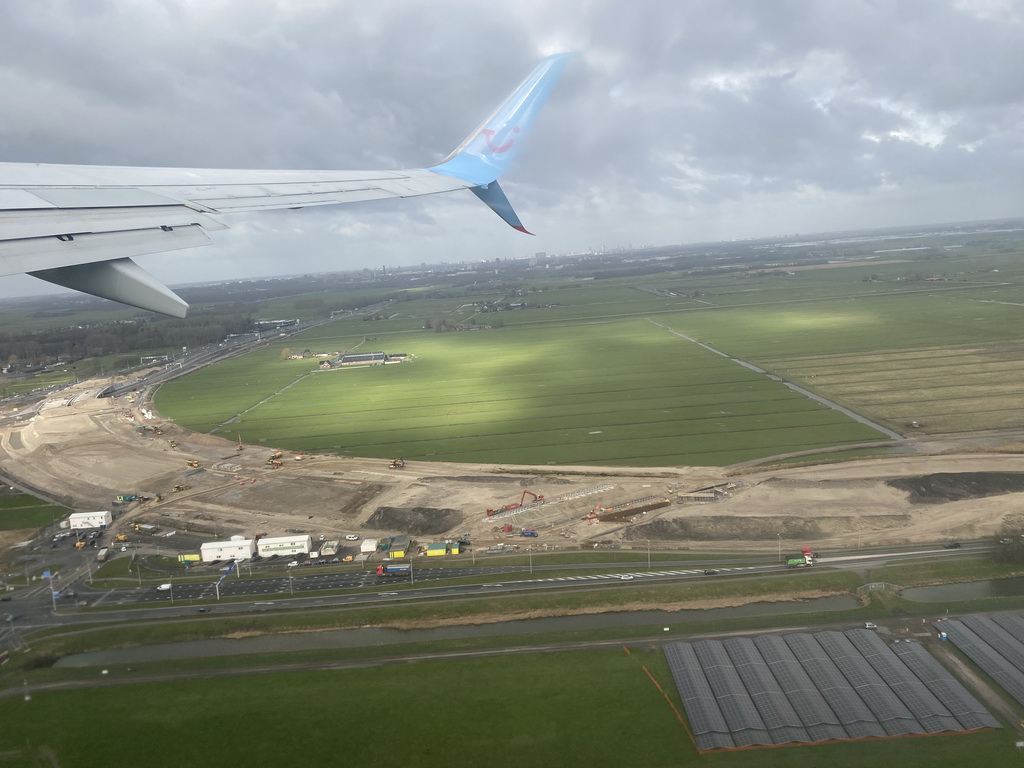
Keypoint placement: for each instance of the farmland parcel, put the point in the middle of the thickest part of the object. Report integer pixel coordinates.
(614, 372)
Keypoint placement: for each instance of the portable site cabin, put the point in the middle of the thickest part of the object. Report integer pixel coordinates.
(81, 520)
(399, 546)
(368, 546)
(227, 550)
(285, 546)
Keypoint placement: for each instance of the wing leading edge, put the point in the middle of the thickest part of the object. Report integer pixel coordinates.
(79, 226)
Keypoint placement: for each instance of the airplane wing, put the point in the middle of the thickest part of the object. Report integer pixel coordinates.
(79, 226)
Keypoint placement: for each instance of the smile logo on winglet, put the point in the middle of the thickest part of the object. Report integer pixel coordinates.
(489, 135)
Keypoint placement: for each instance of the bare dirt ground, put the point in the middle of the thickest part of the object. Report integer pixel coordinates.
(83, 451)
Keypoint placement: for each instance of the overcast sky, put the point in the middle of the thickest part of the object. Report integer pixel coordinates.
(680, 121)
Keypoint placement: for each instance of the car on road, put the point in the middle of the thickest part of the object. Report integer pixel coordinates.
(335, 560)
(625, 577)
(351, 537)
(11, 617)
(203, 610)
(322, 537)
(293, 563)
(710, 572)
(951, 545)
(5, 598)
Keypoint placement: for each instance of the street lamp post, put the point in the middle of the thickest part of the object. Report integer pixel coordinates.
(780, 546)
(648, 554)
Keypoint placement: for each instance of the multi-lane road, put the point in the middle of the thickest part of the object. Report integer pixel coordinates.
(314, 588)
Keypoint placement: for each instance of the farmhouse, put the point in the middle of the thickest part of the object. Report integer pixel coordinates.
(371, 358)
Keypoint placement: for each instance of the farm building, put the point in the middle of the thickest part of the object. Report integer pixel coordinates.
(286, 546)
(371, 358)
(80, 520)
(368, 546)
(227, 550)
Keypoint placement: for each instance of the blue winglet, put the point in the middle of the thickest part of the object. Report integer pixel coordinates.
(495, 199)
(487, 152)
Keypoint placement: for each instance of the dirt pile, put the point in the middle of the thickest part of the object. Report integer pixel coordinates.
(956, 486)
(749, 528)
(418, 521)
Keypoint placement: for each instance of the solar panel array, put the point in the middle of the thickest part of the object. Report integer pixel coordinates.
(994, 644)
(802, 688)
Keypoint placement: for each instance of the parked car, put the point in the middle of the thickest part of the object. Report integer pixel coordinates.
(351, 537)
(870, 625)
(293, 563)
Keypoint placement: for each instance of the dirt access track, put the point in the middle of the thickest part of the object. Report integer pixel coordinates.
(83, 451)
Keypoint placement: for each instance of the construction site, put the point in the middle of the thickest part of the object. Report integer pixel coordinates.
(88, 452)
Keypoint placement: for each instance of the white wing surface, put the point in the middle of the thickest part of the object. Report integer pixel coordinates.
(79, 225)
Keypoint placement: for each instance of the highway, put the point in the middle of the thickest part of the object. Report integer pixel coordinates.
(311, 588)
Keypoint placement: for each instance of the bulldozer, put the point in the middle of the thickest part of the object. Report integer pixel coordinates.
(397, 464)
(178, 488)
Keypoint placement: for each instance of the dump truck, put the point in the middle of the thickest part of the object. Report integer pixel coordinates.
(386, 569)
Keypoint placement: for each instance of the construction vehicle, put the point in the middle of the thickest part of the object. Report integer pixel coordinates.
(386, 569)
(529, 533)
(275, 455)
(397, 464)
(121, 537)
(173, 444)
(272, 464)
(158, 430)
(515, 505)
(193, 463)
(240, 447)
(102, 555)
(178, 488)
(80, 544)
(125, 498)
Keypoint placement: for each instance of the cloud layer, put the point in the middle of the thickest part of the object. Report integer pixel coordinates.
(679, 122)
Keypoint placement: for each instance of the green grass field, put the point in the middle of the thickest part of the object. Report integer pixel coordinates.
(22, 511)
(598, 373)
(598, 708)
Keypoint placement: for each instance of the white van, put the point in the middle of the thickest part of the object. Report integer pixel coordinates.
(164, 587)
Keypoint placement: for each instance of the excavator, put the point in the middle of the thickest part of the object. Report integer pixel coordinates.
(397, 464)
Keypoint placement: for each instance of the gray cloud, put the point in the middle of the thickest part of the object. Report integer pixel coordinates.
(679, 122)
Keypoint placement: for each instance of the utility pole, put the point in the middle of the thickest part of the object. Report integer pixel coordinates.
(780, 546)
